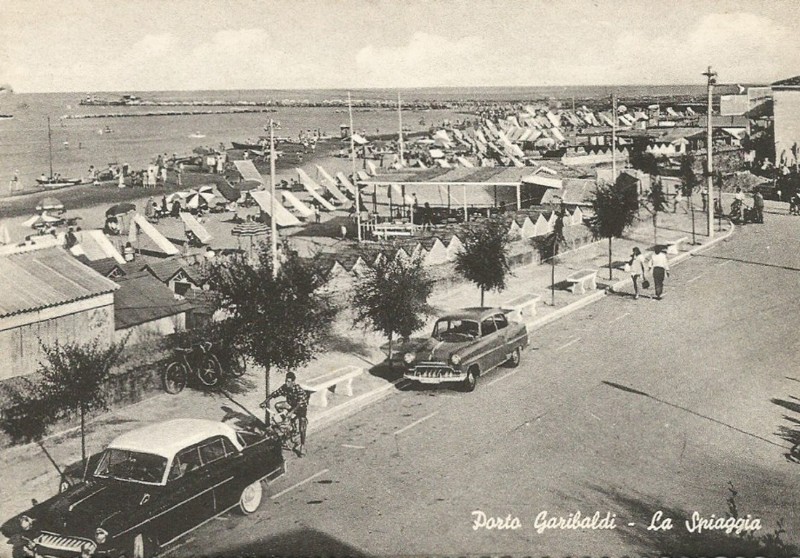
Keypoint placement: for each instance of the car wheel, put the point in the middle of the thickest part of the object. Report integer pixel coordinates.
(513, 362)
(251, 498)
(471, 380)
(174, 378)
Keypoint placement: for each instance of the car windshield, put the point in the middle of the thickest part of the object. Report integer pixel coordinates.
(449, 329)
(131, 466)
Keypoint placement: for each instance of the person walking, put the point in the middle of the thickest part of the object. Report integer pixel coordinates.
(636, 268)
(660, 267)
(758, 205)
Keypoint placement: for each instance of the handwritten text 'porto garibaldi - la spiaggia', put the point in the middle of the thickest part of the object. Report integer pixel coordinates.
(543, 521)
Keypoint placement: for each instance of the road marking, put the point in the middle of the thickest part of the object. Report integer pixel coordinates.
(726, 262)
(353, 447)
(301, 483)
(502, 377)
(619, 317)
(176, 547)
(416, 422)
(568, 344)
(693, 279)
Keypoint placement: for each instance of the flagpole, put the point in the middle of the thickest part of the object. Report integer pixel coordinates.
(272, 222)
(353, 162)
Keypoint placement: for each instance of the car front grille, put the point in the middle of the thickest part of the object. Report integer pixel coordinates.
(57, 546)
(434, 370)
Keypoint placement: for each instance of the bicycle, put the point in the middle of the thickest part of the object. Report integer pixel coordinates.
(284, 425)
(206, 367)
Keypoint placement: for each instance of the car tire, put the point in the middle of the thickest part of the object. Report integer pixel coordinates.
(250, 499)
(513, 362)
(140, 547)
(471, 380)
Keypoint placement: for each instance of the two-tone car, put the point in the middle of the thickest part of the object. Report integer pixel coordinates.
(465, 345)
(150, 487)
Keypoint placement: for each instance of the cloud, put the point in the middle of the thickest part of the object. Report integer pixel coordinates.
(424, 61)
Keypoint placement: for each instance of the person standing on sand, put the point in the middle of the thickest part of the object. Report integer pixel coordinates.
(636, 265)
(660, 267)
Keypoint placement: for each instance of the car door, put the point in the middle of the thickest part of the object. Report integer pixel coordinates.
(188, 495)
(223, 461)
(489, 344)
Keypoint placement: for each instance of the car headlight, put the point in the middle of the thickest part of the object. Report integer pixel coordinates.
(455, 359)
(87, 550)
(100, 535)
(25, 522)
(408, 358)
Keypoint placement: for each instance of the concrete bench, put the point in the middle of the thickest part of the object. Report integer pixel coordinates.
(674, 246)
(385, 231)
(582, 280)
(340, 381)
(522, 307)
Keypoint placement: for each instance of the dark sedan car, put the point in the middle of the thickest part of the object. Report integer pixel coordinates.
(465, 345)
(150, 487)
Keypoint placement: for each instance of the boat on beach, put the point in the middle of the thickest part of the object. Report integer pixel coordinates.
(54, 180)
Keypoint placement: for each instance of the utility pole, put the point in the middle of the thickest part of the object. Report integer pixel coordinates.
(400, 129)
(353, 162)
(273, 223)
(613, 138)
(712, 79)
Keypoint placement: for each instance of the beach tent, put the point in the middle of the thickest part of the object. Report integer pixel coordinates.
(359, 139)
(444, 164)
(44, 218)
(248, 171)
(160, 240)
(557, 134)
(436, 153)
(313, 188)
(362, 175)
(372, 169)
(5, 238)
(346, 183)
(465, 162)
(192, 224)
(540, 180)
(95, 245)
(330, 184)
(282, 216)
(302, 208)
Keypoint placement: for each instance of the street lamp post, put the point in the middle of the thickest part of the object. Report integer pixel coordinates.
(712, 79)
(272, 222)
(353, 163)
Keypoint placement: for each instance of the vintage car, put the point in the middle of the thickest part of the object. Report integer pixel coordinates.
(464, 345)
(151, 486)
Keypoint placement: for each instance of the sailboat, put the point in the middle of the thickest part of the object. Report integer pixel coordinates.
(54, 180)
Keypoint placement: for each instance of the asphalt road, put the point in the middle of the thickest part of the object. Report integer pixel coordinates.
(625, 407)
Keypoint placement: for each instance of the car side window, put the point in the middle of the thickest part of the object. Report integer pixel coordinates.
(488, 327)
(230, 449)
(189, 460)
(501, 321)
(212, 450)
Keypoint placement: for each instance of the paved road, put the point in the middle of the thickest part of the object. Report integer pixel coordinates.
(626, 407)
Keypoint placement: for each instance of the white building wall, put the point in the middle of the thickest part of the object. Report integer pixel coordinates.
(787, 121)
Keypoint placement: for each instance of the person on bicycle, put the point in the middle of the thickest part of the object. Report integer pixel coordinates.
(296, 403)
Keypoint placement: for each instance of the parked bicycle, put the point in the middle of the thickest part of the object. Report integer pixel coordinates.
(285, 426)
(197, 360)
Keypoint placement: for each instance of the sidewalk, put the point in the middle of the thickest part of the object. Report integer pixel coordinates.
(27, 472)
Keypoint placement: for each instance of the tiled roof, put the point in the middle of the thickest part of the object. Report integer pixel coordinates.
(166, 269)
(789, 82)
(143, 298)
(43, 278)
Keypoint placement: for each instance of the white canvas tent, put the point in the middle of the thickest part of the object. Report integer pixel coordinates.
(282, 216)
(248, 171)
(312, 188)
(160, 240)
(330, 184)
(191, 223)
(346, 183)
(302, 208)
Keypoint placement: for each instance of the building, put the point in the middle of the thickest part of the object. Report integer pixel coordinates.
(786, 106)
(145, 308)
(47, 296)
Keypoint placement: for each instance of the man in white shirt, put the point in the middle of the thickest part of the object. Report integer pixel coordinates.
(660, 267)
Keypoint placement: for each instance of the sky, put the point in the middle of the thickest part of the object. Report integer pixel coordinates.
(143, 45)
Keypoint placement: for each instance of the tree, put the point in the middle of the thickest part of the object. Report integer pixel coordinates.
(281, 319)
(484, 257)
(614, 207)
(656, 203)
(549, 245)
(392, 297)
(689, 184)
(71, 380)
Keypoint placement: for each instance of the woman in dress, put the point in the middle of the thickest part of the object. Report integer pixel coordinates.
(636, 265)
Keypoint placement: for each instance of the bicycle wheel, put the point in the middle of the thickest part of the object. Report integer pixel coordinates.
(209, 371)
(238, 366)
(174, 377)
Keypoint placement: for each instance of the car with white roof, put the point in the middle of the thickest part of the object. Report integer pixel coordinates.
(150, 487)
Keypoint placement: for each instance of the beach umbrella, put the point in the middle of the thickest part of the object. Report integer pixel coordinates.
(42, 219)
(120, 209)
(196, 198)
(176, 196)
(251, 229)
(48, 204)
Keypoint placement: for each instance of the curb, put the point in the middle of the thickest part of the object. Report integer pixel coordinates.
(344, 410)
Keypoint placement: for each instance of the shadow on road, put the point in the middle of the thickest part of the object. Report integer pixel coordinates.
(298, 542)
(764, 264)
(680, 540)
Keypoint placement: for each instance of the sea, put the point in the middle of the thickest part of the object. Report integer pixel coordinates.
(78, 144)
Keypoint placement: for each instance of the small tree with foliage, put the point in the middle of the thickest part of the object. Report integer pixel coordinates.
(392, 297)
(548, 247)
(71, 380)
(689, 184)
(283, 317)
(484, 256)
(614, 207)
(656, 203)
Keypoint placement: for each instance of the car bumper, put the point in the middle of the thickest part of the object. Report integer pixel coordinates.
(435, 375)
